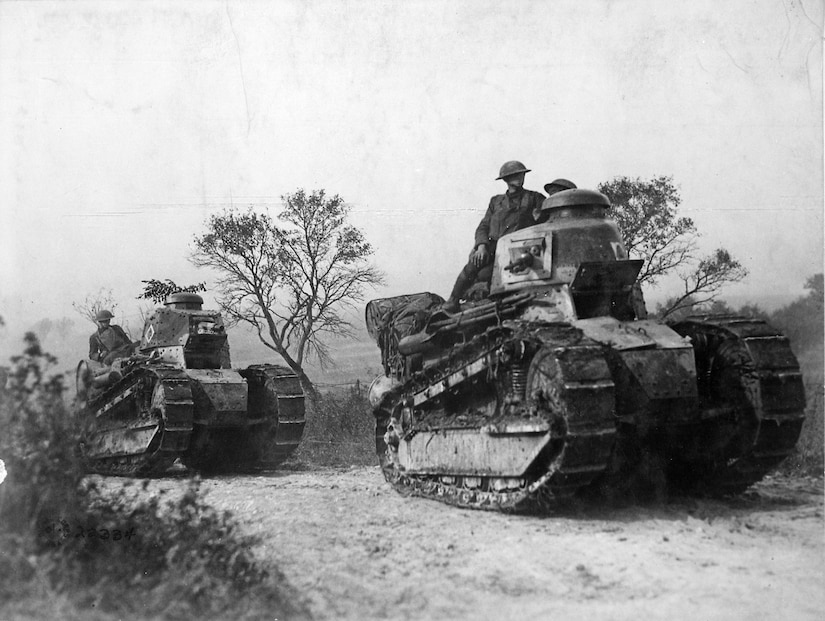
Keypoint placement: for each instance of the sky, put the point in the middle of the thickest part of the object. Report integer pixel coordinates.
(125, 125)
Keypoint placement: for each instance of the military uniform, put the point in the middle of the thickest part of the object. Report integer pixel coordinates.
(106, 342)
(506, 213)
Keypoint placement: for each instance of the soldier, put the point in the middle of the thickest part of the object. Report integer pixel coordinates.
(109, 342)
(506, 213)
(555, 186)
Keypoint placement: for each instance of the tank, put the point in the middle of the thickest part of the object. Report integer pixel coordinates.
(177, 397)
(557, 383)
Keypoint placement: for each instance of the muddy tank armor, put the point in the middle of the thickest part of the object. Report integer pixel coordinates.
(178, 397)
(558, 383)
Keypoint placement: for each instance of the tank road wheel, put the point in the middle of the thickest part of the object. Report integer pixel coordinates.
(572, 387)
(751, 401)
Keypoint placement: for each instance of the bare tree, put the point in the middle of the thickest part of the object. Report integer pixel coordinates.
(702, 285)
(94, 303)
(646, 214)
(290, 278)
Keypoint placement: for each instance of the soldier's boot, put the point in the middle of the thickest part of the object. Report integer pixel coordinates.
(462, 283)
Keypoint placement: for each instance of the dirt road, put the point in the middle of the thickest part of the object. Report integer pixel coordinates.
(358, 550)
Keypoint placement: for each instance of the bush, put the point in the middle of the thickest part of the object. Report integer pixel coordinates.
(88, 551)
(339, 432)
(39, 440)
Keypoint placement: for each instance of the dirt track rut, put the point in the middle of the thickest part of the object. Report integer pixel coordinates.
(356, 549)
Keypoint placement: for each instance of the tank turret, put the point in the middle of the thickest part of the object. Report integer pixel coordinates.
(558, 383)
(181, 333)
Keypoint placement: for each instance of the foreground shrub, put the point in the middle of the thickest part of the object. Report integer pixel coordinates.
(95, 552)
(38, 443)
(174, 559)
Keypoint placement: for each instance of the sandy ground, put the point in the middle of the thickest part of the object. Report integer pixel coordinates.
(358, 550)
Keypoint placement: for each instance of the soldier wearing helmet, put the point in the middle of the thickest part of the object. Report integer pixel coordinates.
(506, 213)
(109, 342)
(554, 187)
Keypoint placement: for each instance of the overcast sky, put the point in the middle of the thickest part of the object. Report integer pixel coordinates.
(123, 125)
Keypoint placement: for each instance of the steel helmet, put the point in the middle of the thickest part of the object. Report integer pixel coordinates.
(511, 168)
(564, 184)
(103, 315)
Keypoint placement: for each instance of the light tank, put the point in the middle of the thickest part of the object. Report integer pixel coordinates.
(177, 397)
(557, 383)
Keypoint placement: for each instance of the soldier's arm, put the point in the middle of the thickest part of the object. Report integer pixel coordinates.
(537, 202)
(483, 229)
(122, 333)
(93, 347)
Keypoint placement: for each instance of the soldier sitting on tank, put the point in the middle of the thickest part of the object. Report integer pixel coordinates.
(554, 187)
(506, 213)
(109, 342)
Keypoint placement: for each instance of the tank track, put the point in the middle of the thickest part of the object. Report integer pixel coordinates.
(578, 453)
(773, 389)
(164, 401)
(290, 407)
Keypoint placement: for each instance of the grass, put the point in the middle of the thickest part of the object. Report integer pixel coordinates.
(340, 432)
(809, 455)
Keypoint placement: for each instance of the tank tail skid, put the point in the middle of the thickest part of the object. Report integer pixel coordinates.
(747, 369)
(289, 404)
(275, 425)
